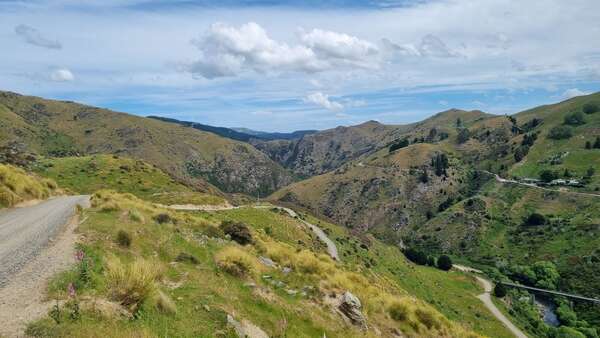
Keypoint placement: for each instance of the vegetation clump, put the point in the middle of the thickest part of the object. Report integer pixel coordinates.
(560, 133)
(133, 283)
(500, 290)
(444, 262)
(236, 262)
(124, 238)
(238, 231)
(399, 144)
(574, 119)
(591, 108)
(535, 219)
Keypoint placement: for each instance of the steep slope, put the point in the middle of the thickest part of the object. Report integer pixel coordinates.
(18, 186)
(195, 281)
(327, 150)
(200, 159)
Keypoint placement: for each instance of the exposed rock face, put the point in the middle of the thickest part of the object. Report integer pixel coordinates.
(351, 307)
(246, 329)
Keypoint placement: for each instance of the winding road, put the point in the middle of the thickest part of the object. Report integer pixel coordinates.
(486, 298)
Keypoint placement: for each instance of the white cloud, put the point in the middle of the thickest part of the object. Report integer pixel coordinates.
(343, 47)
(573, 92)
(430, 46)
(62, 75)
(34, 37)
(323, 100)
(228, 51)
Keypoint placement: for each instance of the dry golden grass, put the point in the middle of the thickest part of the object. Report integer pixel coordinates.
(132, 284)
(236, 261)
(17, 186)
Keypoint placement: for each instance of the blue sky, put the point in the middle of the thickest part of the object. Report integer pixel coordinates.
(282, 66)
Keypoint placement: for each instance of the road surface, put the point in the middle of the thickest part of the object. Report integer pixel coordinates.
(24, 232)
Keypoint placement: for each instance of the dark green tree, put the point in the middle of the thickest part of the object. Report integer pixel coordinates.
(500, 290)
(548, 176)
(597, 143)
(560, 133)
(590, 108)
(444, 263)
(575, 119)
(535, 219)
(588, 145)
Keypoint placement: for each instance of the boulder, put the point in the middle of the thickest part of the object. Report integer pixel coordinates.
(246, 329)
(351, 307)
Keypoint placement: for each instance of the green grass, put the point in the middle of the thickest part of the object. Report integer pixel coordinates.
(205, 285)
(88, 174)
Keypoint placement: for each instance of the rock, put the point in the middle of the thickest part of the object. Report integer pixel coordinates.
(267, 262)
(351, 307)
(266, 277)
(105, 308)
(245, 329)
(286, 270)
(206, 308)
(291, 292)
(250, 284)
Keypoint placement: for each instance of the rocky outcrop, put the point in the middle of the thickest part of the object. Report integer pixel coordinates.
(245, 329)
(351, 307)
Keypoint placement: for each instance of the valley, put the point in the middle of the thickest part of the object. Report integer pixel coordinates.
(278, 236)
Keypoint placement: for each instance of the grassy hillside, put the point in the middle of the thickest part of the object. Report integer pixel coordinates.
(201, 159)
(150, 272)
(88, 174)
(17, 186)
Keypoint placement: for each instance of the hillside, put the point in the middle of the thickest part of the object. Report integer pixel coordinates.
(88, 174)
(327, 150)
(394, 194)
(199, 159)
(17, 186)
(185, 271)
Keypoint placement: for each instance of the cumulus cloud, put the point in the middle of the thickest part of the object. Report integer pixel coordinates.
(34, 37)
(343, 47)
(62, 75)
(228, 51)
(430, 46)
(573, 92)
(324, 101)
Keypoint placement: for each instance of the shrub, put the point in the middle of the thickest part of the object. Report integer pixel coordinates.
(588, 145)
(399, 144)
(548, 176)
(597, 143)
(238, 231)
(236, 261)
(131, 284)
(124, 238)
(574, 119)
(444, 263)
(416, 256)
(568, 332)
(163, 218)
(591, 108)
(560, 133)
(399, 310)
(500, 290)
(535, 219)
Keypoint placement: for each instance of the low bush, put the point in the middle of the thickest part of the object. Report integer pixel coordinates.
(560, 133)
(500, 290)
(124, 238)
(236, 261)
(574, 119)
(591, 108)
(535, 219)
(136, 216)
(162, 218)
(238, 231)
(428, 318)
(164, 303)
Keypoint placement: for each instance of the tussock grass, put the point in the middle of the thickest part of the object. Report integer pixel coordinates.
(132, 284)
(237, 262)
(17, 186)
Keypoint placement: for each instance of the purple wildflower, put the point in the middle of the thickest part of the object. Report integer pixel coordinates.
(79, 255)
(71, 290)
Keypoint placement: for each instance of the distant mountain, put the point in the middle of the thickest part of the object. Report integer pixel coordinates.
(238, 134)
(276, 136)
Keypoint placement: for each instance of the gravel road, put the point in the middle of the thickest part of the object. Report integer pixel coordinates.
(25, 232)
